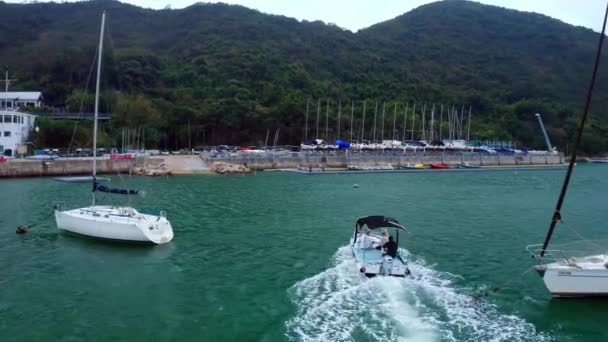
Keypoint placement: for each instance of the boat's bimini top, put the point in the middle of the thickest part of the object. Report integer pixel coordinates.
(374, 222)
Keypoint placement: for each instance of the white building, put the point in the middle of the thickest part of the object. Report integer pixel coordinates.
(12, 100)
(14, 130)
(15, 126)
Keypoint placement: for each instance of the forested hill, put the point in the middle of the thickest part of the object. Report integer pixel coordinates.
(233, 73)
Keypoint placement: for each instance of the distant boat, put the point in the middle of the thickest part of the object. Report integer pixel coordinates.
(80, 179)
(599, 161)
(468, 166)
(412, 167)
(363, 167)
(311, 169)
(439, 166)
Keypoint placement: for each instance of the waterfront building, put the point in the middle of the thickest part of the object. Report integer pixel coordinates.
(13, 100)
(15, 124)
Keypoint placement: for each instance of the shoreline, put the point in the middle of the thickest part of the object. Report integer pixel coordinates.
(335, 163)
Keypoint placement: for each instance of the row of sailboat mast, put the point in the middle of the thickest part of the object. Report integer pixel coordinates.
(455, 121)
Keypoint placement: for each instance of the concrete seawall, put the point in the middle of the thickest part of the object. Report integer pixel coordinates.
(343, 160)
(193, 164)
(182, 164)
(61, 167)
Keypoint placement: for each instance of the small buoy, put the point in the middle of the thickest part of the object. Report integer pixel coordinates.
(21, 230)
(355, 185)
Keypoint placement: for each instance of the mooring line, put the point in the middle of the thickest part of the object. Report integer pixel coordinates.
(21, 230)
(496, 289)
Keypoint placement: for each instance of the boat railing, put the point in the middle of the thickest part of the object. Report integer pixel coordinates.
(562, 254)
(551, 255)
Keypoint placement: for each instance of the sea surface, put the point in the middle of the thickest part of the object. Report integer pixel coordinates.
(265, 258)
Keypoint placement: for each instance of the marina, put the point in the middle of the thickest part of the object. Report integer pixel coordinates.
(287, 290)
(162, 195)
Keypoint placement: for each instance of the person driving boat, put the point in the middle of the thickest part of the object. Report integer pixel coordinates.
(390, 248)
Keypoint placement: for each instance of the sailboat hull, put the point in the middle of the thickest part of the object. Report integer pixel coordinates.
(576, 281)
(116, 223)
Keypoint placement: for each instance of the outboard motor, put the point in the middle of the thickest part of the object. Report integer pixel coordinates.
(387, 265)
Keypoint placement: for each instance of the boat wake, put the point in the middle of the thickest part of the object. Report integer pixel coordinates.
(340, 304)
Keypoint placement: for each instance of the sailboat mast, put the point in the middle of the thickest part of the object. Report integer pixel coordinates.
(363, 123)
(558, 207)
(413, 119)
(352, 118)
(461, 119)
(407, 105)
(327, 121)
(423, 121)
(339, 114)
(469, 124)
(441, 123)
(394, 120)
(306, 120)
(452, 122)
(97, 84)
(433, 123)
(318, 113)
(383, 111)
(375, 115)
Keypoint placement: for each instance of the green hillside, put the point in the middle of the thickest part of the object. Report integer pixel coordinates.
(230, 74)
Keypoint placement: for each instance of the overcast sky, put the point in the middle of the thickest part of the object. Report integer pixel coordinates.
(358, 14)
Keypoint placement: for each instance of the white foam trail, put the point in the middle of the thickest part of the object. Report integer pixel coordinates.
(340, 304)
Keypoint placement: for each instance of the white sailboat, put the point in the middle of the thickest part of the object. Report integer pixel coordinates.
(112, 222)
(564, 274)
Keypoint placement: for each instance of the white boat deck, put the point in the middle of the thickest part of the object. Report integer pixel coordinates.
(372, 260)
(592, 262)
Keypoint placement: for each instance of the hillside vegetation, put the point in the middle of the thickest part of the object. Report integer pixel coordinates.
(216, 73)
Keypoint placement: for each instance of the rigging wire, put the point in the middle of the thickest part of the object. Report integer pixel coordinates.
(80, 109)
(557, 213)
(583, 238)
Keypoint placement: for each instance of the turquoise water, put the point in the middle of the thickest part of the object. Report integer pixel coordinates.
(263, 258)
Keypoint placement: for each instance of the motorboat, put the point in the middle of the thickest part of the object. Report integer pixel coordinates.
(468, 166)
(364, 167)
(112, 222)
(310, 168)
(416, 166)
(372, 259)
(439, 166)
